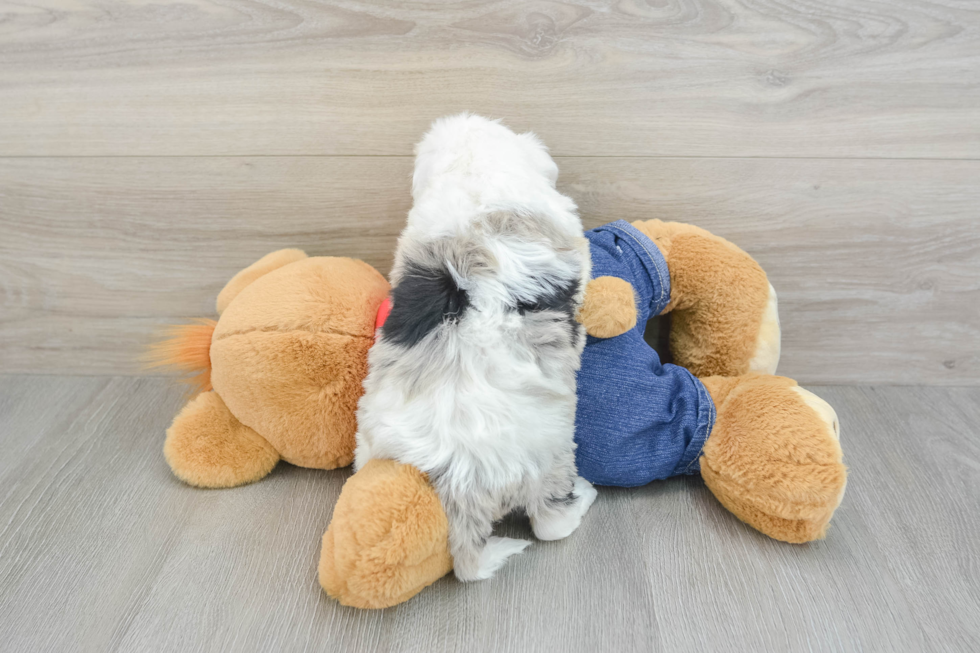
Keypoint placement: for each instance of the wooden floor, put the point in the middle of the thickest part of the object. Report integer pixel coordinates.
(101, 549)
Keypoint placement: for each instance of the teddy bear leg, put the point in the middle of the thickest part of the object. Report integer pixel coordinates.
(724, 313)
(388, 538)
(773, 457)
(207, 447)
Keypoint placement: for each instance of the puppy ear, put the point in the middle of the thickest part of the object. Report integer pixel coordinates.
(560, 299)
(421, 301)
(537, 152)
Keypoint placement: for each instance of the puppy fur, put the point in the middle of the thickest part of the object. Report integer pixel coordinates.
(472, 379)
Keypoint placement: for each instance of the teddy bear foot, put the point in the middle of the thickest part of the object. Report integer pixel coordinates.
(773, 457)
(207, 447)
(388, 538)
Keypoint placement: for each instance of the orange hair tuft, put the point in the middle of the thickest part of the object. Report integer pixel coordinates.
(187, 348)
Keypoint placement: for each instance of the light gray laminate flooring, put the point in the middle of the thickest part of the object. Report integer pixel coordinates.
(102, 549)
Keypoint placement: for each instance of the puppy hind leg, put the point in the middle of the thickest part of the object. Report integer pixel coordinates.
(476, 555)
(565, 499)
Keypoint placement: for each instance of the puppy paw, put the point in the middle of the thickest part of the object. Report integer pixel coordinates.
(586, 492)
(561, 521)
(494, 555)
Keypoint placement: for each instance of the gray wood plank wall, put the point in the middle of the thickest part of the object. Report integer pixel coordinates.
(148, 152)
(676, 78)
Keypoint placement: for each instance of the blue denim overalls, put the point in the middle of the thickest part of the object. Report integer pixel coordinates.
(637, 420)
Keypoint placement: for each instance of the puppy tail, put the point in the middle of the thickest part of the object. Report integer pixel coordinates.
(187, 349)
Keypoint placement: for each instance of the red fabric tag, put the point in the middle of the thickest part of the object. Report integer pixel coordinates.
(383, 312)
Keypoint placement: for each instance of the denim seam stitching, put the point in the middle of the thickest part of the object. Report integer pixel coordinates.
(711, 420)
(653, 259)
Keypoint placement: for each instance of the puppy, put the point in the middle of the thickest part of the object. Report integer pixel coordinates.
(472, 378)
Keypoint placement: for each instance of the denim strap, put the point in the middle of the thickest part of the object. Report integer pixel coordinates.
(651, 257)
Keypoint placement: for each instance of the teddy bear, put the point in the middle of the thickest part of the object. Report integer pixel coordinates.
(280, 374)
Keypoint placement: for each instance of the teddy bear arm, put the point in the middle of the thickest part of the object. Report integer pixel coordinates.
(609, 307)
(265, 265)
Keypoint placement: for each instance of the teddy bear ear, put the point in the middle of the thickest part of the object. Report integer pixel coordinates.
(262, 267)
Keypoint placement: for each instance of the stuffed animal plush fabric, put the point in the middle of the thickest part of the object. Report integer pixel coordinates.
(765, 447)
(281, 372)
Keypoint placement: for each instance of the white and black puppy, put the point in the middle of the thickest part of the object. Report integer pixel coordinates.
(472, 379)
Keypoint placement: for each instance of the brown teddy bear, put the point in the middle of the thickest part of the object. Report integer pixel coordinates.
(281, 374)
(280, 371)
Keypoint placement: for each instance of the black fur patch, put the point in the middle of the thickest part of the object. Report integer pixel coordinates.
(561, 300)
(566, 500)
(422, 300)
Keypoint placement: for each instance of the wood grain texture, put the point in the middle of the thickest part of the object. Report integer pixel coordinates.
(877, 263)
(101, 549)
(840, 78)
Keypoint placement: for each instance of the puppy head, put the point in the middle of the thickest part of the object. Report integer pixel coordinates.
(508, 269)
(476, 146)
